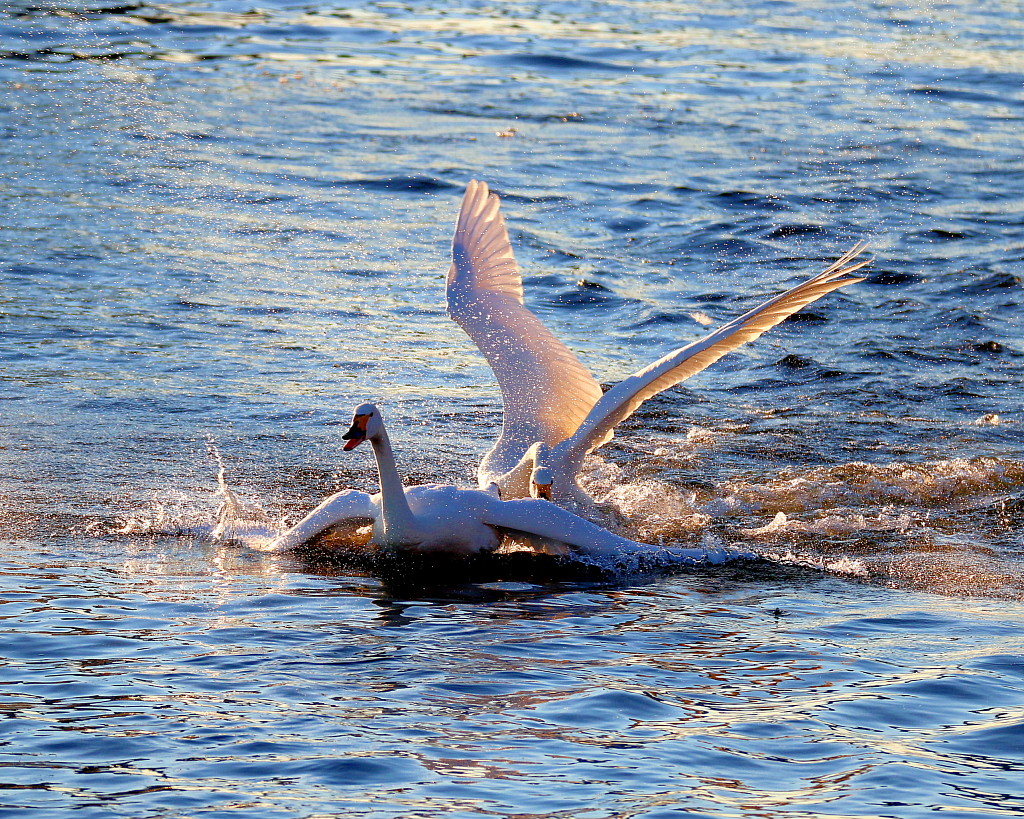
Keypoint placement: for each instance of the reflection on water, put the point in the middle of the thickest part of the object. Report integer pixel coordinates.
(229, 222)
(215, 679)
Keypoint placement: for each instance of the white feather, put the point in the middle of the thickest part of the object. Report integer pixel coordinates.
(549, 396)
(622, 400)
(545, 389)
(433, 517)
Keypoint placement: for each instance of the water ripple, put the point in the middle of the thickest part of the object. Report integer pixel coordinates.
(232, 223)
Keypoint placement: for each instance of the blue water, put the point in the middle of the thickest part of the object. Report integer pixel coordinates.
(225, 225)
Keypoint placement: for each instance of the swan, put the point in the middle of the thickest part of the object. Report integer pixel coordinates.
(435, 518)
(554, 409)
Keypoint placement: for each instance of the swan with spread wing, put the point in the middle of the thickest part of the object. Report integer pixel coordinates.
(554, 409)
(442, 518)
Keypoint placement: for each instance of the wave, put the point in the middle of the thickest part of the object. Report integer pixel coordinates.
(945, 525)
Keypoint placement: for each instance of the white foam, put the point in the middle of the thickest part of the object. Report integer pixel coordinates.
(856, 484)
(651, 511)
(843, 565)
(701, 436)
(247, 530)
(834, 524)
(834, 500)
(901, 522)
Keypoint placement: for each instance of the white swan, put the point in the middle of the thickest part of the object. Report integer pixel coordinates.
(433, 517)
(554, 409)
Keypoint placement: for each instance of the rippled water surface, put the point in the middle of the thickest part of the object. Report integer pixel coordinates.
(224, 225)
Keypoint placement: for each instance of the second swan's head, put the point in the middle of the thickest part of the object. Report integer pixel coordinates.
(540, 483)
(365, 424)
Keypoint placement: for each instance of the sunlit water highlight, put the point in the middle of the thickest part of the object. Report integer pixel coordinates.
(227, 222)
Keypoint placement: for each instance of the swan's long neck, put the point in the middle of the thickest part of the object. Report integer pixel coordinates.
(397, 517)
(516, 482)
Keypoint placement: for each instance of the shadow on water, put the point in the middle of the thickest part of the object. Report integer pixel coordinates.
(522, 574)
(406, 572)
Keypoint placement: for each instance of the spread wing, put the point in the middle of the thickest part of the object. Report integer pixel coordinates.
(545, 389)
(347, 507)
(622, 400)
(540, 518)
(543, 519)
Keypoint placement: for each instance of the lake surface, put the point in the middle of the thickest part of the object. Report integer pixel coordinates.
(225, 225)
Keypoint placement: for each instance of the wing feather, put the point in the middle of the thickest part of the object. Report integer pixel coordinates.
(349, 506)
(545, 389)
(623, 399)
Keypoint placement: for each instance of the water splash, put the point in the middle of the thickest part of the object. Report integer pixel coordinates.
(834, 524)
(181, 514)
(918, 525)
(856, 484)
(934, 525)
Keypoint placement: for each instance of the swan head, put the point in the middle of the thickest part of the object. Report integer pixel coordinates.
(540, 482)
(366, 423)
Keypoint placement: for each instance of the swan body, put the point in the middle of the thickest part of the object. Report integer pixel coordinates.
(441, 518)
(435, 517)
(554, 409)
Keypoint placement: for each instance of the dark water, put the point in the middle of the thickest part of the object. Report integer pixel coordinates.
(229, 222)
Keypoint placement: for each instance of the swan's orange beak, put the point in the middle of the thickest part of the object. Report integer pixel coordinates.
(356, 433)
(543, 490)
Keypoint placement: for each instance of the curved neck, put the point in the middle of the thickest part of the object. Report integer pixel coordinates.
(395, 513)
(516, 482)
